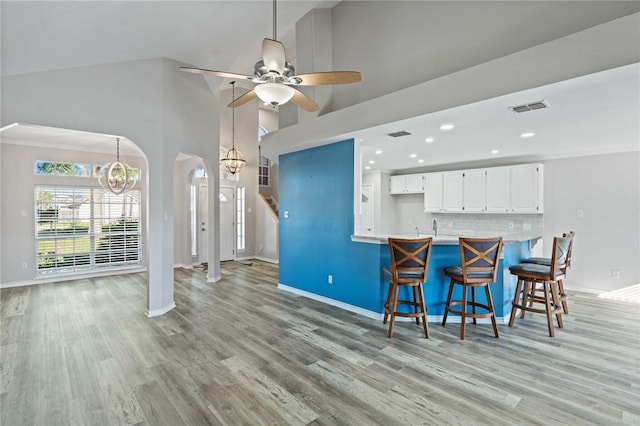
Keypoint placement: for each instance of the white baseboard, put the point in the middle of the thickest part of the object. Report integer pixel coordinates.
(161, 311)
(451, 319)
(182, 265)
(267, 259)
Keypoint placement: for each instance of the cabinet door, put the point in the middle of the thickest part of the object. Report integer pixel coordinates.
(526, 188)
(452, 191)
(498, 190)
(415, 183)
(473, 191)
(433, 192)
(397, 184)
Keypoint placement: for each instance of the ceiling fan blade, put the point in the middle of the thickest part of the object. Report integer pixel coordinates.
(329, 77)
(303, 101)
(273, 55)
(243, 99)
(218, 73)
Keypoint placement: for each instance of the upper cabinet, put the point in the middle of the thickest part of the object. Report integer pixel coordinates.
(452, 187)
(406, 184)
(526, 192)
(433, 192)
(498, 187)
(474, 191)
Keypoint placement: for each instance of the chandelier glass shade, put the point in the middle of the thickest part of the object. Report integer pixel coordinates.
(234, 162)
(274, 93)
(116, 176)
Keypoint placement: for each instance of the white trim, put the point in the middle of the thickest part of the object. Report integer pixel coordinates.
(452, 319)
(267, 259)
(213, 279)
(351, 308)
(162, 311)
(72, 277)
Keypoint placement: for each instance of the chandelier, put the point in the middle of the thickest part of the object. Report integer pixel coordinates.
(116, 176)
(233, 161)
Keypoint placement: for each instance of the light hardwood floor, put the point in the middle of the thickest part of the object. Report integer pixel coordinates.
(242, 352)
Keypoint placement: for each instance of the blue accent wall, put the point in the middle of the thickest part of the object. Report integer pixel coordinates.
(316, 189)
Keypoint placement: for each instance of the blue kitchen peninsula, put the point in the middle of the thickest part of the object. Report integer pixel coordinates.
(446, 252)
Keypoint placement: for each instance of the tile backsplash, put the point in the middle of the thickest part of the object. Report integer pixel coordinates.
(469, 224)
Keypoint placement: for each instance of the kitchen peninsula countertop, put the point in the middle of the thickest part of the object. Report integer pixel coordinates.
(446, 239)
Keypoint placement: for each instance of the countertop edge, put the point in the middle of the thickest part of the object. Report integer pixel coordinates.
(441, 240)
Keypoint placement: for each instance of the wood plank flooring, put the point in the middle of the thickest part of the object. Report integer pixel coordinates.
(242, 352)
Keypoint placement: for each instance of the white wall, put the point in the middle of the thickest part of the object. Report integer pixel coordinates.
(606, 188)
(162, 110)
(18, 181)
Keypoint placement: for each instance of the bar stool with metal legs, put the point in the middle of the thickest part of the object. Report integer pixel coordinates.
(547, 262)
(409, 267)
(479, 258)
(527, 296)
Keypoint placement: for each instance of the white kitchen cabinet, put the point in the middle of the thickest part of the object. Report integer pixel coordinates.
(452, 187)
(406, 184)
(526, 194)
(433, 192)
(498, 190)
(473, 191)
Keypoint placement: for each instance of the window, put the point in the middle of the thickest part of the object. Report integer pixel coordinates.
(263, 171)
(52, 168)
(240, 219)
(83, 229)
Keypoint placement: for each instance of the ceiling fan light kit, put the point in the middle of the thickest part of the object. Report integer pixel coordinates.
(275, 78)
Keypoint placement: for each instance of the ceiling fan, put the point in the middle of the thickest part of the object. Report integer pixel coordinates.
(276, 80)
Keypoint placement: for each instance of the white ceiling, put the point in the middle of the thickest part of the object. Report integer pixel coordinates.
(593, 114)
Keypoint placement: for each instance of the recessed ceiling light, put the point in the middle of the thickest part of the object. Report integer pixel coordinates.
(494, 151)
(447, 126)
(371, 162)
(379, 152)
(527, 135)
(367, 168)
(429, 140)
(421, 161)
(413, 155)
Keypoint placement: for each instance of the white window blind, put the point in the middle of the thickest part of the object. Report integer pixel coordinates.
(82, 229)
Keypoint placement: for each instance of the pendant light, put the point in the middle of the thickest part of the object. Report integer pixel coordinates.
(116, 176)
(233, 161)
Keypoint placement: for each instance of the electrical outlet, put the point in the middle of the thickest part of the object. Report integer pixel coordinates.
(24, 265)
(450, 224)
(330, 279)
(510, 225)
(615, 274)
(580, 213)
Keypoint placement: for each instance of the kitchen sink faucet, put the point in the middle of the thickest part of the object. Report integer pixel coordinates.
(435, 227)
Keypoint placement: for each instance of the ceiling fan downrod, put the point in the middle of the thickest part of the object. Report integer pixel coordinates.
(274, 21)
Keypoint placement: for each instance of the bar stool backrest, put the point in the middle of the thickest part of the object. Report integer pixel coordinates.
(410, 259)
(561, 255)
(479, 258)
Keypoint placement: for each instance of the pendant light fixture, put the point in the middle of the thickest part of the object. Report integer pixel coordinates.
(233, 161)
(116, 176)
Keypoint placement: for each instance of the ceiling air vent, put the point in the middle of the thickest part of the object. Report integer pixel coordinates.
(530, 107)
(399, 134)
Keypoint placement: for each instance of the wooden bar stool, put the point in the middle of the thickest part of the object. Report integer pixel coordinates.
(409, 268)
(479, 258)
(547, 262)
(528, 298)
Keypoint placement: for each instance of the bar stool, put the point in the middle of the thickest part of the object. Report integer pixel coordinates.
(479, 258)
(531, 274)
(547, 262)
(409, 268)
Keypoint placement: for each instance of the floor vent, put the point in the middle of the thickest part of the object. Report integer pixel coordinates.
(530, 107)
(399, 134)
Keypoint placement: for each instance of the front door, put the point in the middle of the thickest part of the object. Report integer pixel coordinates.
(227, 222)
